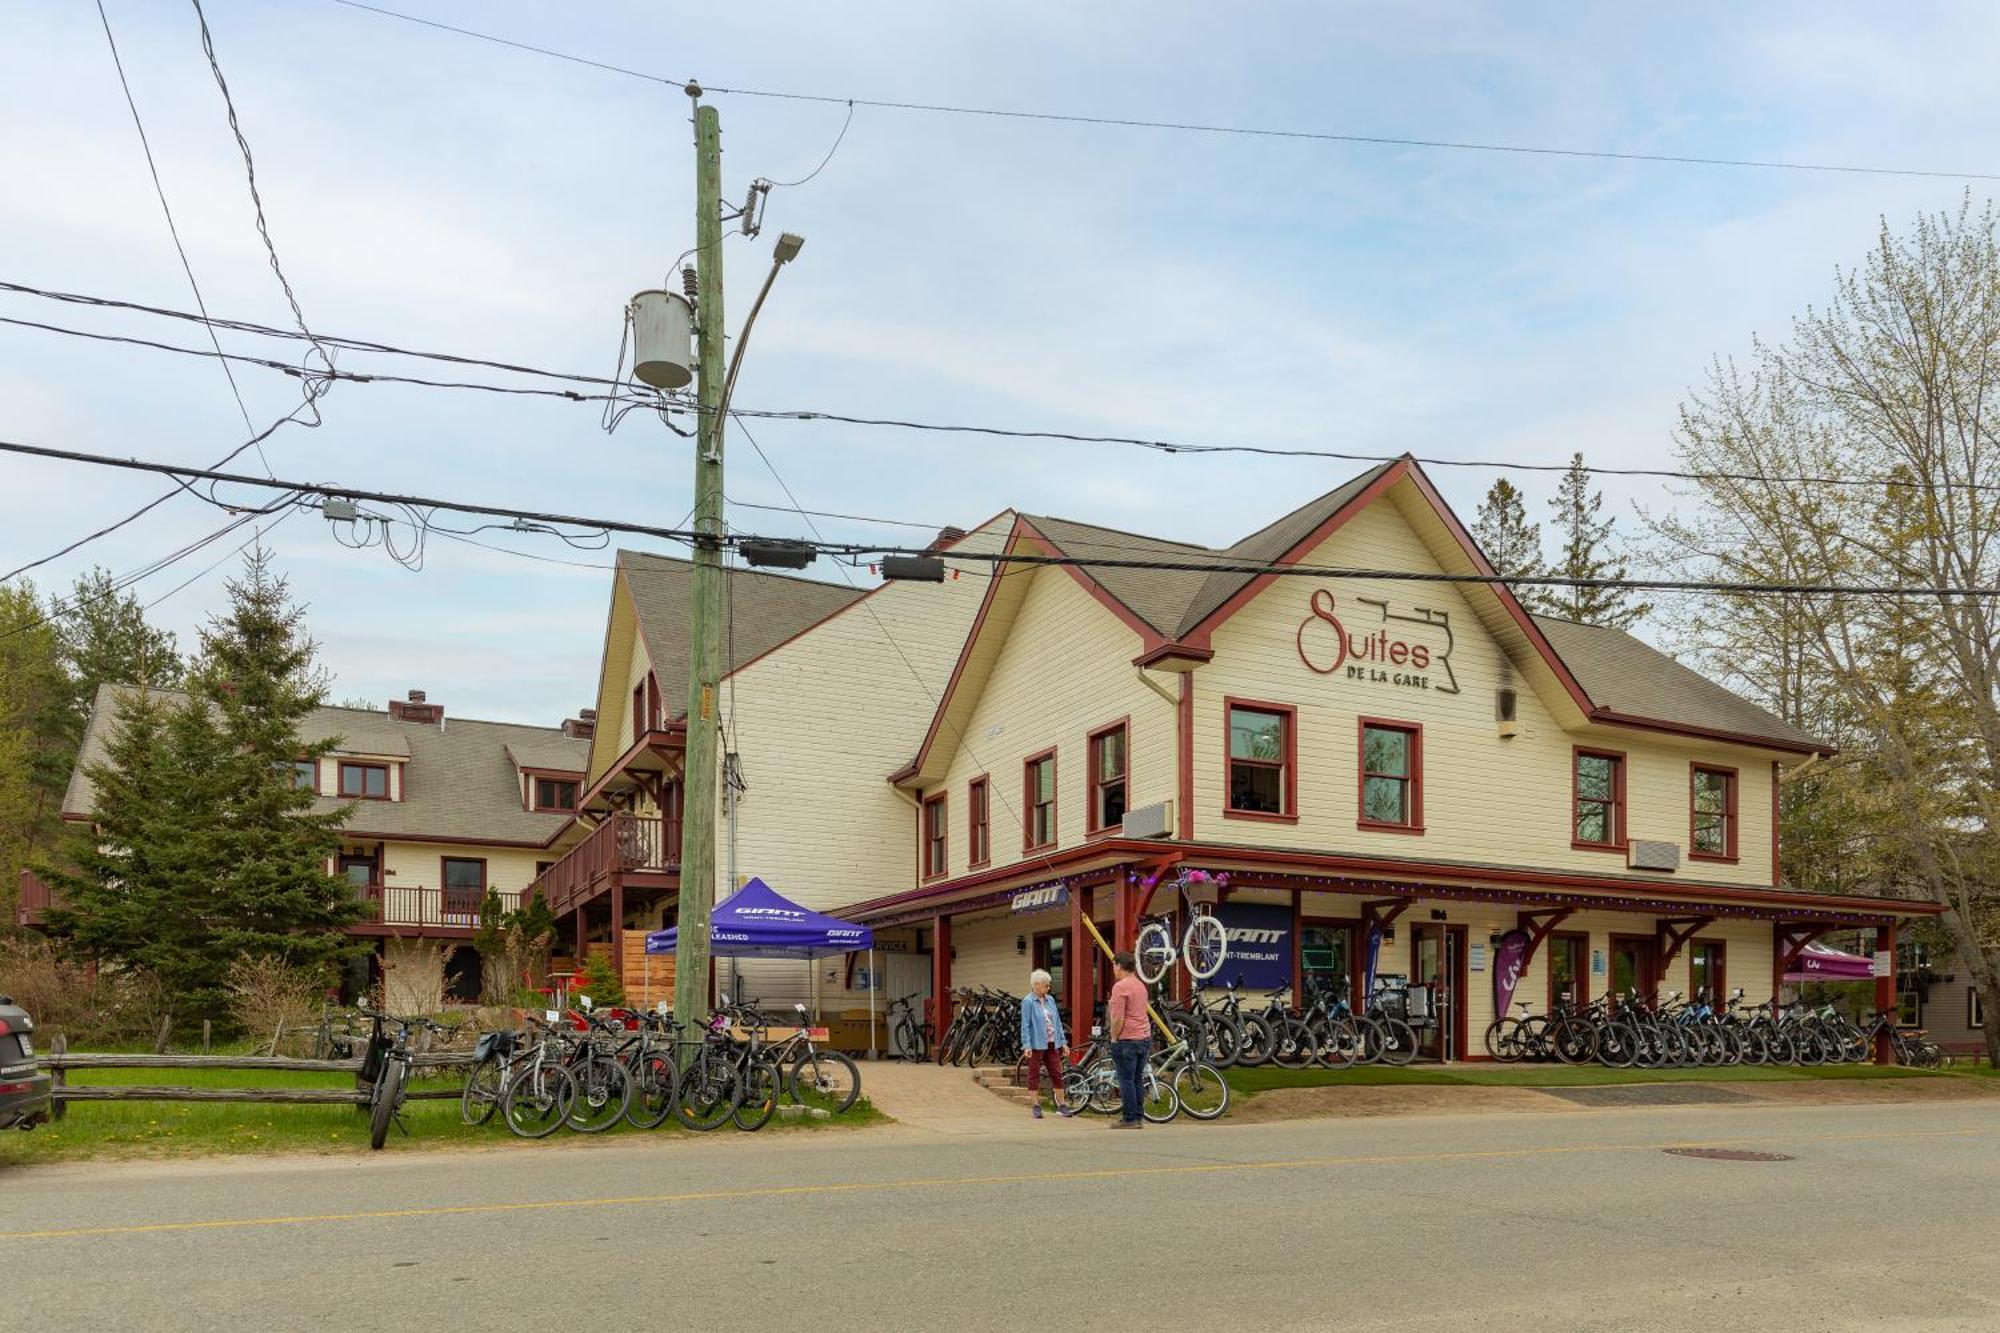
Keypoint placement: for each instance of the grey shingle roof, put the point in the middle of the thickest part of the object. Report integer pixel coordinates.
(767, 609)
(1628, 675)
(459, 781)
(1174, 601)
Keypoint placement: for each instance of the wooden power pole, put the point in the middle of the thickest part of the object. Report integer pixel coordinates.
(699, 771)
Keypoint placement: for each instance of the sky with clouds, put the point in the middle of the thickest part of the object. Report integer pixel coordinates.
(429, 190)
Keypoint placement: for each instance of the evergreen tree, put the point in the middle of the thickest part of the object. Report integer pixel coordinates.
(600, 981)
(1588, 552)
(1513, 546)
(37, 739)
(105, 640)
(202, 850)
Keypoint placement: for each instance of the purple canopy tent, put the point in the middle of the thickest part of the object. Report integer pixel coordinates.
(1820, 962)
(755, 922)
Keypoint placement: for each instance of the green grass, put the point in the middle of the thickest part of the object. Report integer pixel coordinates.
(1250, 1082)
(187, 1129)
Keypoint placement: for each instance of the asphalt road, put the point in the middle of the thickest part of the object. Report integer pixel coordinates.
(1887, 1217)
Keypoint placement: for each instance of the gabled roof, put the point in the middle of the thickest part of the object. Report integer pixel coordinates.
(760, 611)
(1609, 676)
(460, 782)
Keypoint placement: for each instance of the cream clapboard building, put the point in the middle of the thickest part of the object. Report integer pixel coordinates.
(1395, 775)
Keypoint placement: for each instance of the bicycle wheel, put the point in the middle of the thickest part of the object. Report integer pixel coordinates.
(1503, 1040)
(830, 1079)
(709, 1091)
(909, 1042)
(1292, 1045)
(536, 1104)
(480, 1097)
(759, 1101)
(1103, 1095)
(1205, 947)
(1077, 1090)
(654, 1084)
(1255, 1048)
(1203, 1092)
(603, 1091)
(1618, 1045)
(388, 1096)
(1398, 1041)
(1157, 1101)
(1153, 952)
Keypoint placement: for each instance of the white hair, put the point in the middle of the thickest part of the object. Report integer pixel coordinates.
(1040, 974)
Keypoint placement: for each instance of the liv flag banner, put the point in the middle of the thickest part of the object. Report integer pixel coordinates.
(1510, 956)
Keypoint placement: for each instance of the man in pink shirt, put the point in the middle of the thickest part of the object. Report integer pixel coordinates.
(1131, 1032)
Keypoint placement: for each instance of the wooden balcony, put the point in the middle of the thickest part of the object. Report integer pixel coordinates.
(624, 844)
(414, 909)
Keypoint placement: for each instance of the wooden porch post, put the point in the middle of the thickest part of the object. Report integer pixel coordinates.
(1885, 990)
(582, 937)
(1080, 960)
(618, 927)
(940, 977)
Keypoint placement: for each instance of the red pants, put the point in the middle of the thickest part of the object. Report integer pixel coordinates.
(1053, 1059)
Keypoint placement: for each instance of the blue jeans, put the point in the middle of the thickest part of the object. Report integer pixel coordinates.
(1129, 1059)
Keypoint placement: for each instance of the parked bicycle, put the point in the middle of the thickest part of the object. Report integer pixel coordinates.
(386, 1068)
(910, 1032)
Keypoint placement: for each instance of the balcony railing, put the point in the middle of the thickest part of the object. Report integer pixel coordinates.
(416, 906)
(624, 842)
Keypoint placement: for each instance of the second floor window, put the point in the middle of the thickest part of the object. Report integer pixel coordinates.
(305, 774)
(1712, 831)
(366, 782)
(1260, 761)
(936, 857)
(555, 794)
(979, 824)
(1599, 790)
(1041, 801)
(1107, 778)
(1391, 775)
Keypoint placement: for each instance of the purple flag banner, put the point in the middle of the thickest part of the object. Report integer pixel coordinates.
(1510, 957)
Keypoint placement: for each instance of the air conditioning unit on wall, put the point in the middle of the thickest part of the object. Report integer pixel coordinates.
(1653, 856)
(1150, 821)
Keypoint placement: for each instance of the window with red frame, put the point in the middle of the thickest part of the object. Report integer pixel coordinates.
(1260, 747)
(936, 846)
(1713, 829)
(1599, 788)
(555, 794)
(366, 782)
(1392, 757)
(1107, 779)
(979, 823)
(1041, 800)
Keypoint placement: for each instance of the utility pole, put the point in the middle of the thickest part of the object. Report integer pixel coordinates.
(698, 778)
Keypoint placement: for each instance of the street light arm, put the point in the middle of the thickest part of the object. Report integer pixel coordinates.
(743, 341)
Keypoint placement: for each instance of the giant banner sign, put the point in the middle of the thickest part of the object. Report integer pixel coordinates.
(1261, 945)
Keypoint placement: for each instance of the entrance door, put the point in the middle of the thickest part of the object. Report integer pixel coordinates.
(1051, 951)
(1632, 966)
(1437, 958)
(361, 869)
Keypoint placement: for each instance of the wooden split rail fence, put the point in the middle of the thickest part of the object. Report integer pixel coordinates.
(60, 1060)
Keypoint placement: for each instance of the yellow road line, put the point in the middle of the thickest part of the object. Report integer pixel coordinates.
(934, 1182)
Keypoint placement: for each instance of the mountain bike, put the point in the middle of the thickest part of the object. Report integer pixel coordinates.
(386, 1067)
(827, 1076)
(909, 1032)
(536, 1102)
(1202, 948)
(603, 1085)
(493, 1066)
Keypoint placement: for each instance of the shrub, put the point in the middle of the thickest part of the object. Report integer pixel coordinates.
(90, 1006)
(600, 982)
(267, 992)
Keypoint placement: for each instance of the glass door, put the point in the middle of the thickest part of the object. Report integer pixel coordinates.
(1632, 967)
(1437, 954)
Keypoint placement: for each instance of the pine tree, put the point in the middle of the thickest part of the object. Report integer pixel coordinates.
(105, 640)
(1588, 552)
(600, 981)
(37, 739)
(1513, 546)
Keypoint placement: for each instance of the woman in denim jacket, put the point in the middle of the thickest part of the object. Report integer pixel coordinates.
(1042, 1039)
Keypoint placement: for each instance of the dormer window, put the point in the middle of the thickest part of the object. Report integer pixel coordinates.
(553, 794)
(364, 782)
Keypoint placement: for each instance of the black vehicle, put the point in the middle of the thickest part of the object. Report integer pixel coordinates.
(24, 1089)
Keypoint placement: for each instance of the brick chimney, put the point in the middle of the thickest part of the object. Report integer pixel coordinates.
(947, 536)
(416, 708)
(581, 727)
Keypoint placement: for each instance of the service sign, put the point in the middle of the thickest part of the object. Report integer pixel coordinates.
(1377, 643)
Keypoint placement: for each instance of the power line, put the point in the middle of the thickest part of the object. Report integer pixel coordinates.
(160, 192)
(1195, 127)
(1221, 563)
(1159, 445)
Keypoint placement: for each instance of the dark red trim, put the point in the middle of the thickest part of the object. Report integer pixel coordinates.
(1289, 813)
(1149, 637)
(355, 833)
(1671, 936)
(1204, 629)
(1579, 975)
(1415, 731)
(531, 798)
(1777, 871)
(979, 823)
(1028, 843)
(1728, 855)
(1184, 760)
(1171, 650)
(1718, 987)
(1620, 843)
(1645, 973)
(1612, 717)
(444, 884)
(1092, 781)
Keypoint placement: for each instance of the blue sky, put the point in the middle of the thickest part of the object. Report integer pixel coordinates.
(432, 191)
